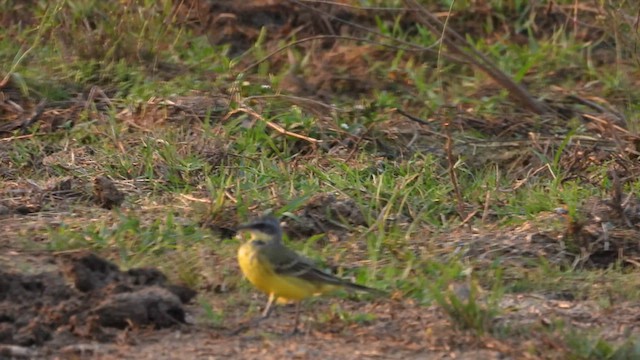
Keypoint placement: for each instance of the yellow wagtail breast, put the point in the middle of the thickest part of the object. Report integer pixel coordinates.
(260, 272)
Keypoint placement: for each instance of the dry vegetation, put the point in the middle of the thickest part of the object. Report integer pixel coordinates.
(485, 175)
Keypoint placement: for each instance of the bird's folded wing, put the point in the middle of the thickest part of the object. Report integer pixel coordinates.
(300, 267)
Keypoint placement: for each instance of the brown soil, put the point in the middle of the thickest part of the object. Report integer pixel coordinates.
(78, 305)
(87, 299)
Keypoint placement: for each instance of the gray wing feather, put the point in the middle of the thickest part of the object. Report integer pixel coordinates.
(292, 264)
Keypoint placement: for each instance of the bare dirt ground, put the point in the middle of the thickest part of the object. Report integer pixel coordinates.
(79, 305)
(73, 304)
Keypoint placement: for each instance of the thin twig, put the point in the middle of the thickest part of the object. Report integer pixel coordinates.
(616, 198)
(20, 137)
(448, 147)
(35, 115)
(293, 98)
(272, 125)
(421, 122)
(597, 107)
(487, 203)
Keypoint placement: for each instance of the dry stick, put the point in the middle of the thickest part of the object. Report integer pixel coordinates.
(598, 107)
(357, 144)
(616, 198)
(450, 37)
(487, 203)
(412, 118)
(420, 121)
(20, 137)
(272, 125)
(35, 115)
(452, 173)
(293, 98)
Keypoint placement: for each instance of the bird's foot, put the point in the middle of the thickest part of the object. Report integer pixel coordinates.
(248, 325)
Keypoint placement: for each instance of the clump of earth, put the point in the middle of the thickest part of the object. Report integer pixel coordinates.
(87, 299)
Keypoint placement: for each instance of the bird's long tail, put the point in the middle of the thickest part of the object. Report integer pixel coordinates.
(330, 280)
(358, 287)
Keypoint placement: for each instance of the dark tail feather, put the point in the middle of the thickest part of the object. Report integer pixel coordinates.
(320, 276)
(358, 287)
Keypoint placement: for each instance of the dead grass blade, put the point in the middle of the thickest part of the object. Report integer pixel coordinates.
(272, 125)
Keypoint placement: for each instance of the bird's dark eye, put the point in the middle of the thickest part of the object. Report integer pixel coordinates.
(258, 242)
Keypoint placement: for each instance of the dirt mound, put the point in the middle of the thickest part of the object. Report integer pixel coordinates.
(90, 299)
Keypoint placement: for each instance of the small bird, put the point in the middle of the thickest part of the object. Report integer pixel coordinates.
(282, 273)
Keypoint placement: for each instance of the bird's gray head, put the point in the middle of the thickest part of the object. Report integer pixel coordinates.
(266, 229)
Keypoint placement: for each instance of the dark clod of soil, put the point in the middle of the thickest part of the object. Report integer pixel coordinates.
(149, 306)
(97, 302)
(106, 193)
(91, 272)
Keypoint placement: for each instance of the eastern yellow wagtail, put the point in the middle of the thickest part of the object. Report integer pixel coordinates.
(281, 272)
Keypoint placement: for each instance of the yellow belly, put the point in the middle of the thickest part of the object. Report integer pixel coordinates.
(261, 274)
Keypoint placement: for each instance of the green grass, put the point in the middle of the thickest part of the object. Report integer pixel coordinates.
(586, 346)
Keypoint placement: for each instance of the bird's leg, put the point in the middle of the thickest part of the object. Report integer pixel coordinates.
(265, 314)
(269, 308)
(297, 320)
